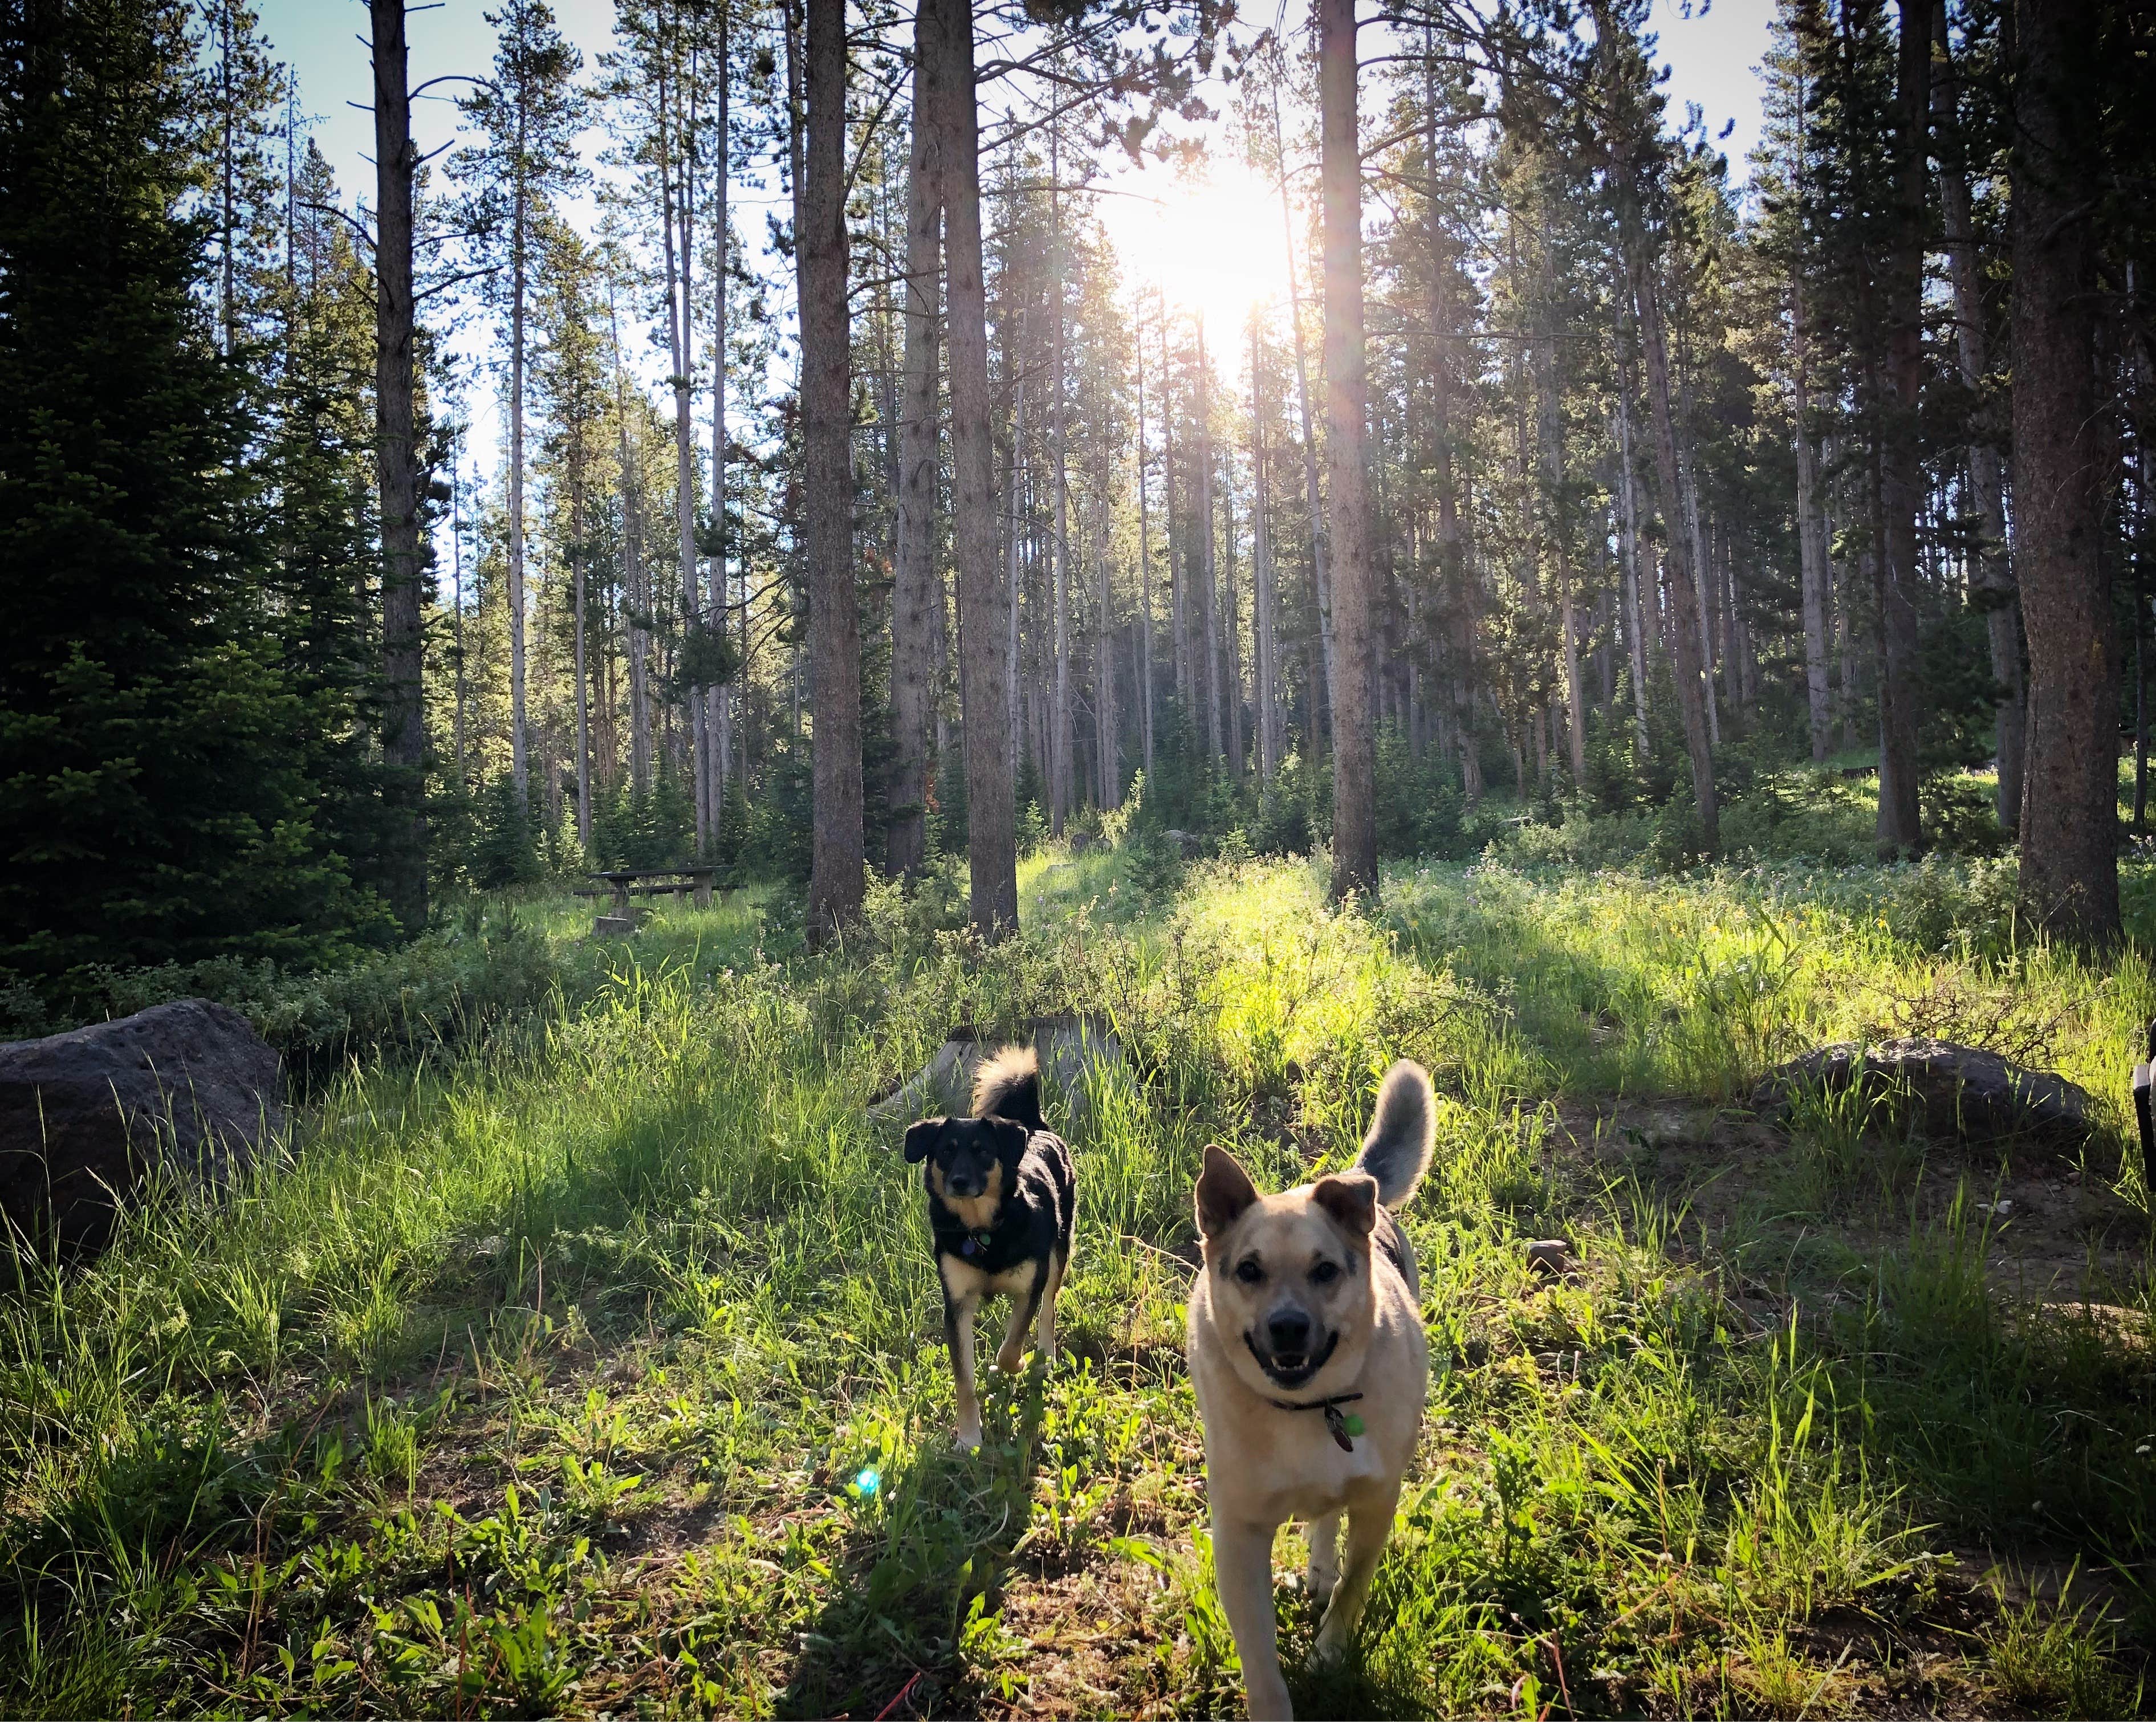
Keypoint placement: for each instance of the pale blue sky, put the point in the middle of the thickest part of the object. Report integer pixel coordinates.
(1711, 57)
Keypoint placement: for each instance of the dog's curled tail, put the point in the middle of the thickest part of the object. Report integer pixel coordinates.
(1396, 1152)
(1009, 1086)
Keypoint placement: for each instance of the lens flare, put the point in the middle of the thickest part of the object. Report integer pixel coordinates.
(867, 1482)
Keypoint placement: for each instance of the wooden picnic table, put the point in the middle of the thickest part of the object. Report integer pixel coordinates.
(625, 882)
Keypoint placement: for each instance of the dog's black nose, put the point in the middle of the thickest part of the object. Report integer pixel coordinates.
(1289, 1331)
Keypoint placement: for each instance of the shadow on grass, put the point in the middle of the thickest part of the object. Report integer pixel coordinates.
(917, 1577)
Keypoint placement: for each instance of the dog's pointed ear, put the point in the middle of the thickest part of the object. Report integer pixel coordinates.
(921, 1138)
(1224, 1192)
(1352, 1199)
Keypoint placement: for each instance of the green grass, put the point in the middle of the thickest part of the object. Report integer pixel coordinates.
(592, 1363)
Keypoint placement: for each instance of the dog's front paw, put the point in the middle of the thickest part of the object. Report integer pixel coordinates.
(1010, 1359)
(969, 1437)
(1331, 1646)
(1266, 1697)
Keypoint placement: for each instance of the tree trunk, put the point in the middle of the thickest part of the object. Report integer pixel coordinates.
(584, 700)
(1145, 577)
(991, 825)
(1178, 580)
(1702, 577)
(1264, 600)
(1690, 674)
(457, 607)
(1811, 539)
(519, 738)
(1552, 429)
(632, 574)
(1061, 737)
(1354, 822)
(2070, 792)
(678, 296)
(397, 474)
(914, 611)
(1901, 471)
(836, 883)
(1628, 549)
(1232, 675)
(1013, 542)
(1321, 583)
(718, 723)
(1106, 743)
(1207, 565)
(1994, 584)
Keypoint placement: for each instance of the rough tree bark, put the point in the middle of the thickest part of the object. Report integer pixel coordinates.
(680, 296)
(718, 721)
(1811, 538)
(990, 789)
(835, 640)
(1902, 474)
(396, 472)
(1994, 573)
(913, 604)
(1061, 739)
(1354, 821)
(632, 571)
(520, 213)
(1320, 580)
(584, 699)
(1264, 599)
(2070, 794)
(1207, 564)
(1551, 434)
(1178, 583)
(1107, 746)
(1145, 570)
(1628, 551)
(1690, 674)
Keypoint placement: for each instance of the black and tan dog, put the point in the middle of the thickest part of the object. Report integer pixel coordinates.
(1001, 1201)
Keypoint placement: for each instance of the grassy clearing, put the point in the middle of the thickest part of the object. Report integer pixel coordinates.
(597, 1366)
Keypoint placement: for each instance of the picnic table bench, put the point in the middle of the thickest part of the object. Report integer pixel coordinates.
(623, 882)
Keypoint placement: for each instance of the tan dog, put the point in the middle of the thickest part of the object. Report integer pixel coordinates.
(1307, 1352)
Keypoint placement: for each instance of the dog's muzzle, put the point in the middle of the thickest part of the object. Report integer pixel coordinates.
(1287, 1356)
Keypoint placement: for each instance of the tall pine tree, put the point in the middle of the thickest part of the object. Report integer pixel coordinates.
(152, 785)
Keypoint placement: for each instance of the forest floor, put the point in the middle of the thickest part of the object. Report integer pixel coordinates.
(598, 1368)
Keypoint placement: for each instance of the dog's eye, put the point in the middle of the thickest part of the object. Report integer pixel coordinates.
(1248, 1272)
(1324, 1273)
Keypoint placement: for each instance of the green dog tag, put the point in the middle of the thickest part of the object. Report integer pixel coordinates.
(1354, 1424)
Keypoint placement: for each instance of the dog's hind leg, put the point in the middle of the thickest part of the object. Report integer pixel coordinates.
(1044, 1332)
(1243, 1573)
(1324, 1558)
(1369, 1524)
(1023, 1305)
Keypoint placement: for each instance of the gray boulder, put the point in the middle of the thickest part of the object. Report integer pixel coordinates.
(1960, 1092)
(85, 1115)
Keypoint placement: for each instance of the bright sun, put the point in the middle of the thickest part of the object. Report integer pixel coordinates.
(1215, 246)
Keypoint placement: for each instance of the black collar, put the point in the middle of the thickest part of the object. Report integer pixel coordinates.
(1336, 1425)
